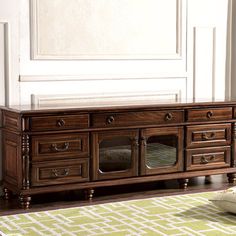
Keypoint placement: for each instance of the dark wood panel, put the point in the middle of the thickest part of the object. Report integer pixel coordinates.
(11, 120)
(60, 172)
(209, 114)
(208, 135)
(53, 147)
(12, 165)
(208, 158)
(60, 122)
(137, 118)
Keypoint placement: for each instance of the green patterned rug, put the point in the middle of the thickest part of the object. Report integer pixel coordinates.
(185, 215)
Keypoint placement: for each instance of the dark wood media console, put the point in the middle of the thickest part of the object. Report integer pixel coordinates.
(52, 150)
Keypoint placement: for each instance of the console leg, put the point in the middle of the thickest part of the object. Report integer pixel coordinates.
(232, 178)
(6, 193)
(183, 183)
(207, 179)
(25, 201)
(89, 194)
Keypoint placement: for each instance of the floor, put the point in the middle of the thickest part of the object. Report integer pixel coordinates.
(109, 194)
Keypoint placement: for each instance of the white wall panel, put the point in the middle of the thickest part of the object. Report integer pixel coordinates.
(2, 63)
(120, 29)
(103, 87)
(204, 16)
(204, 62)
(109, 68)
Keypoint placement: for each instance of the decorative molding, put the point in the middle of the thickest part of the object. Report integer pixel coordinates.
(42, 101)
(212, 32)
(48, 78)
(36, 50)
(6, 36)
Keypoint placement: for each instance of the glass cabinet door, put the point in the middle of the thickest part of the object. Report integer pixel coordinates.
(161, 150)
(115, 154)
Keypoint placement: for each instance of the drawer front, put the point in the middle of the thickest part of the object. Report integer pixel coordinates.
(51, 147)
(59, 122)
(209, 114)
(60, 172)
(208, 158)
(208, 135)
(137, 118)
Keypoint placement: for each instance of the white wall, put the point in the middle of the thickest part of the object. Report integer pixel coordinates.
(202, 62)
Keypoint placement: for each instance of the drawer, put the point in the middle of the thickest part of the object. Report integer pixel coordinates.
(60, 172)
(59, 122)
(52, 147)
(208, 158)
(137, 118)
(208, 135)
(209, 114)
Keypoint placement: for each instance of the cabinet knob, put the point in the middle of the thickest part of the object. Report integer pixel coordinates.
(110, 119)
(204, 159)
(60, 122)
(63, 173)
(57, 149)
(168, 116)
(209, 114)
(211, 136)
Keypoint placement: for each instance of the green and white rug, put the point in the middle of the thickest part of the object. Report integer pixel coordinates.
(185, 215)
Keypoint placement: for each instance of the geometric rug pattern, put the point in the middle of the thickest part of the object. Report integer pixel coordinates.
(183, 215)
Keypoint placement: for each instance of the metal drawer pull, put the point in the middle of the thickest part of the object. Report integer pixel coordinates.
(168, 116)
(110, 119)
(57, 149)
(63, 173)
(209, 114)
(60, 122)
(208, 137)
(204, 160)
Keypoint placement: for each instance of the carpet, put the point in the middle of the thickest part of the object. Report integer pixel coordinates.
(185, 215)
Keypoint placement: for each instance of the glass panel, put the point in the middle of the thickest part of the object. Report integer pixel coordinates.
(161, 151)
(115, 154)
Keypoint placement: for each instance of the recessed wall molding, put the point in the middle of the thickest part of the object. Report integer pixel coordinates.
(159, 36)
(42, 101)
(5, 61)
(204, 41)
(48, 78)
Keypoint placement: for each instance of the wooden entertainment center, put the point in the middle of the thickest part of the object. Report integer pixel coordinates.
(84, 147)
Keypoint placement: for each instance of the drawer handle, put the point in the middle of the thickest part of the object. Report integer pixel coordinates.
(57, 149)
(208, 137)
(60, 123)
(110, 119)
(204, 160)
(62, 173)
(168, 116)
(209, 114)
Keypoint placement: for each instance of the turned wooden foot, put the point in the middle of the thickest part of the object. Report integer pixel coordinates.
(89, 194)
(6, 193)
(183, 183)
(207, 179)
(25, 201)
(232, 178)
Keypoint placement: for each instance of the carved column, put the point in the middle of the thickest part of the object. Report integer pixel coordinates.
(232, 176)
(25, 161)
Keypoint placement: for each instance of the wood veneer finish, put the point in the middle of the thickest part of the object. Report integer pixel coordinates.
(53, 150)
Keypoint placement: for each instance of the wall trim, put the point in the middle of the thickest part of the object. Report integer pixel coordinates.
(7, 70)
(195, 30)
(35, 35)
(87, 77)
(115, 99)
